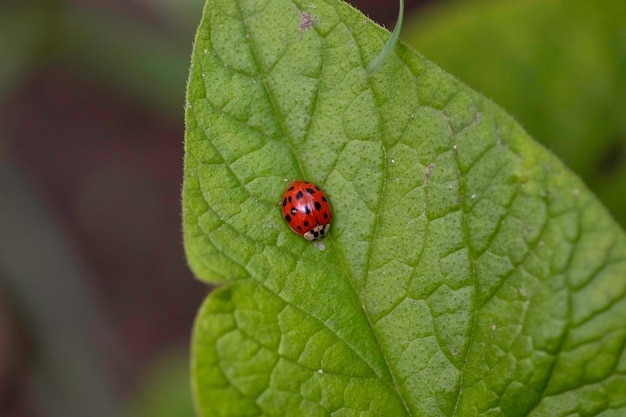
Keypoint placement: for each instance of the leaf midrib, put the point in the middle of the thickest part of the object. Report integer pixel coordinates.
(341, 256)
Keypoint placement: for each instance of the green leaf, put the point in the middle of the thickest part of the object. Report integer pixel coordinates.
(467, 271)
(558, 66)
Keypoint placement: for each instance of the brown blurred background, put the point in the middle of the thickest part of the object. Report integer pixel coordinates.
(96, 300)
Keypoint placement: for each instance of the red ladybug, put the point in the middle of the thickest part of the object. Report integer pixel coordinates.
(306, 210)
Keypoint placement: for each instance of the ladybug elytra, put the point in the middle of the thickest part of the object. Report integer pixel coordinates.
(306, 210)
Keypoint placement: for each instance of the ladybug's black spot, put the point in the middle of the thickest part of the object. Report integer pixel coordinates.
(288, 218)
(307, 210)
(325, 215)
(306, 224)
(310, 190)
(284, 202)
(290, 188)
(316, 235)
(299, 195)
(317, 188)
(289, 199)
(298, 227)
(324, 199)
(318, 206)
(323, 231)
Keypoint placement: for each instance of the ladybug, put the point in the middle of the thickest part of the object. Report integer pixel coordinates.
(306, 210)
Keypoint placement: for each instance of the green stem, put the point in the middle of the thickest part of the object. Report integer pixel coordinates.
(391, 43)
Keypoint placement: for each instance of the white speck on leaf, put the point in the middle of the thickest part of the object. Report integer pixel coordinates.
(320, 245)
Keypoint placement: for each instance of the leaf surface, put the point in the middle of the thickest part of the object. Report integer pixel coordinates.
(467, 271)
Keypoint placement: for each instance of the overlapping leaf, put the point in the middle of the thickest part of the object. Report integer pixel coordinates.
(558, 67)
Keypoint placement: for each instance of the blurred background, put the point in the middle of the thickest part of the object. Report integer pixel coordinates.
(96, 300)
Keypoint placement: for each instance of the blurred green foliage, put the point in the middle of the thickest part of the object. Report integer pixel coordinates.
(21, 43)
(558, 66)
(139, 52)
(166, 390)
(141, 59)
